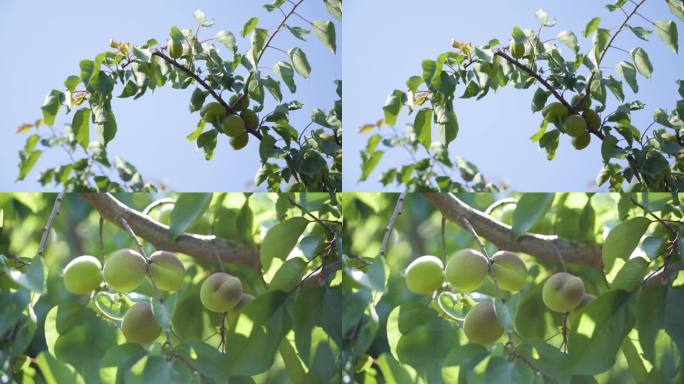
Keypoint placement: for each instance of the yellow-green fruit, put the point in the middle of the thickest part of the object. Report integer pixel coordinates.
(244, 300)
(175, 49)
(213, 112)
(510, 270)
(581, 102)
(555, 112)
(221, 292)
(233, 125)
(592, 119)
(586, 299)
(424, 275)
(481, 325)
(241, 105)
(139, 325)
(466, 270)
(582, 141)
(517, 49)
(167, 270)
(124, 270)
(240, 141)
(82, 275)
(250, 118)
(563, 292)
(575, 126)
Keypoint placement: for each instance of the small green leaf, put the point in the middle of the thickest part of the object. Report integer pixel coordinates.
(667, 32)
(250, 26)
(325, 31)
(628, 72)
(623, 239)
(286, 73)
(81, 127)
(423, 127)
(569, 39)
(53, 101)
(299, 62)
(187, 209)
(227, 39)
(592, 26)
(281, 239)
(393, 106)
(530, 208)
(642, 62)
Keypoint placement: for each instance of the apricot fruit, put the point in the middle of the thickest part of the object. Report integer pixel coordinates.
(510, 270)
(581, 102)
(481, 325)
(221, 292)
(233, 125)
(139, 325)
(563, 292)
(213, 112)
(240, 141)
(250, 118)
(124, 270)
(582, 141)
(575, 126)
(82, 275)
(555, 112)
(466, 270)
(167, 270)
(592, 119)
(424, 275)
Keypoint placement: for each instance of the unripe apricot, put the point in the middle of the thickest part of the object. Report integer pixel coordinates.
(575, 126)
(139, 325)
(586, 299)
(82, 275)
(510, 270)
(240, 141)
(424, 275)
(466, 270)
(563, 292)
(517, 49)
(581, 102)
(167, 270)
(555, 112)
(245, 299)
(250, 118)
(124, 270)
(233, 125)
(481, 325)
(592, 119)
(221, 292)
(213, 112)
(582, 141)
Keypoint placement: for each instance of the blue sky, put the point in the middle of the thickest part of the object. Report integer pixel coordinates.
(44, 41)
(386, 40)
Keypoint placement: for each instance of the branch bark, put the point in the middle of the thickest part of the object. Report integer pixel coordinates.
(545, 248)
(201, 247)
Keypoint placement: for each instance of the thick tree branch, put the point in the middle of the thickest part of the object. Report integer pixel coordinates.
(543, 247)
(201, 247)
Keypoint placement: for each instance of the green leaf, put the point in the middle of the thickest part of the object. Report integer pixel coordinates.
(55, 371)
(34, 277)
(623, 239)
(640, 32)
(674, 313)
(530, 208)
(423, 127)
(288, 275)
(631, 274)
(393, 106)
(299, 62)
(325, 31)
(201, 18)
(569, 39)
(53, 101)
(370, 157)
(81, 127)
(227, 39)
(539, 100)
(281, 239)
(394, 372)
(676, 7)
(27, 162)
(298, 32)
(293, 365)
(544, 19)
(597, 332)
(187, 209)
(286, 73)
(642, 62)
(635, 362)
(592, 26)
(628, 72)
(175, 34)
(373, 278)
(250, 26)
(667, 32)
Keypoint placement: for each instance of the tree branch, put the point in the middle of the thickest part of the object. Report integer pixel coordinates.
(390, 224)
(542, 247)
(46, 229)
(198, 246)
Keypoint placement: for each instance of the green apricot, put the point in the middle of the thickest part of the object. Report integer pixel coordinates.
(233, 125)
(82, 275)
(240, 141)
(466, 270)
(563, 292)
(510, 270)
(213, 112)
(251, 119)
(167, 270)
(481, 325)
(555, 112)
(139, 325)
(582, 141)
(175, 49)
(592, 119)
(575, 126)
(240, 105)
(124, 270)
(517, 49)
(221, 292)
(424, 275)
(581, 102)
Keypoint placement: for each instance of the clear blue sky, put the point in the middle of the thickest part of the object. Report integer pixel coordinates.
(43, 42)
(386, 40)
